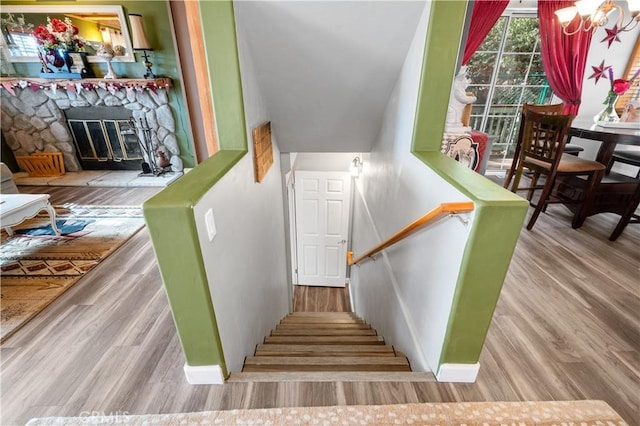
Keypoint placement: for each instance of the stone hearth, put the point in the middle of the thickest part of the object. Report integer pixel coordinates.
(32, 118)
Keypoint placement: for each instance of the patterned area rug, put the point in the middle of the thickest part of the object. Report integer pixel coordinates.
(36, 266)
(583, 413)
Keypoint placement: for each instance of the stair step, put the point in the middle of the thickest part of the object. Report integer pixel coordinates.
(325, 340)
(321, 320)
(322, 314)
(324, 350)
(315, 326)
(332, 376)
(322, 332)
(357, 363)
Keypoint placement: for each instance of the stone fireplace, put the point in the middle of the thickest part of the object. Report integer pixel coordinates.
(42, 116)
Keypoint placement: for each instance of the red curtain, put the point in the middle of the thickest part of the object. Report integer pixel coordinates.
(483, 17)
(563, 57)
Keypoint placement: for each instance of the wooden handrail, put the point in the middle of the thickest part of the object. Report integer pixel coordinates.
(433, 215)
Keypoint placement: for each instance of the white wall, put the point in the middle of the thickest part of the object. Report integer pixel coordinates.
(407, 293)
(594, 94)
(327, 67)
(246, 261)
(324, 161)
(617, 56)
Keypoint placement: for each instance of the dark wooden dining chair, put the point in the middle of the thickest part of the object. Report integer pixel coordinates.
(629, 215)
(626, 157)
(543, 139)
(553, 109)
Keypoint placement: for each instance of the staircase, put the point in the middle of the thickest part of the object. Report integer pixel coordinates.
(324, 342)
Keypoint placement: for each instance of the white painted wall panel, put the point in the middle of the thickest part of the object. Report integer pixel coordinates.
(327, 67)
(323, 161)
(406, 293)
(246, 262)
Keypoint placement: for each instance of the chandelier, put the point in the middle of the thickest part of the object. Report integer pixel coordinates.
(595, 13)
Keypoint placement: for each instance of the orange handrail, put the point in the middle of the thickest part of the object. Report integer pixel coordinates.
(432, 216)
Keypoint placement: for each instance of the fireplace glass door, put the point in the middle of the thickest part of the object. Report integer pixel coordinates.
(106, 144)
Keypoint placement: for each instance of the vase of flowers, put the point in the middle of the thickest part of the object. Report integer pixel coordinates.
(617, 87)
(54, 58)
(61, 37)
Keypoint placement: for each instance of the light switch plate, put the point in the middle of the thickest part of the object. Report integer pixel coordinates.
(210, 223)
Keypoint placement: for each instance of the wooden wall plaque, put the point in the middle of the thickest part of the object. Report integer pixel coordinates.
(262, 150)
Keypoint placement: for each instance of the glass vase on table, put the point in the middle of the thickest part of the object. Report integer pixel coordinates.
(608, 114)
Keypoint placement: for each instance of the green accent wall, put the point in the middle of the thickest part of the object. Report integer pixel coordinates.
(180, 260)
(498, 215)
(444, 34)
(177, 247)
(224, 71)
(164, 58)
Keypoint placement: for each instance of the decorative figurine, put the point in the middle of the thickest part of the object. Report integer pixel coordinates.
(106, 51)
(458, 100)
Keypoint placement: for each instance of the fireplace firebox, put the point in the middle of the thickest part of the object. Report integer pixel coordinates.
(104, 138)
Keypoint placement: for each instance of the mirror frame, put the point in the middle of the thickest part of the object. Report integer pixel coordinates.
(61, 9)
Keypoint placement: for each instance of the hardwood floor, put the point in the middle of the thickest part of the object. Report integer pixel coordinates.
(567, 326)
(321, 299)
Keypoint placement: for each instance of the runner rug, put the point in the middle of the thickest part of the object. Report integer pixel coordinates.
(36, 266)
(542, 413)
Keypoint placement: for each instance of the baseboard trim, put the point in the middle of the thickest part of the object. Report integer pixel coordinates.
(458, 373)
(204, 374)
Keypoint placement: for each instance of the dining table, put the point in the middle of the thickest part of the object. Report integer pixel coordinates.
(613, 192)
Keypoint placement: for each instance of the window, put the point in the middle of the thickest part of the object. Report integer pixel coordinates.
(632, 68)
(22, 43)
(505, 73)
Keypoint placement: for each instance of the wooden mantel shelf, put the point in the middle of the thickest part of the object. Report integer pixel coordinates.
(160, 82)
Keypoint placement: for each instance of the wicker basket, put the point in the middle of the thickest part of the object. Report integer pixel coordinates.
(42, 164)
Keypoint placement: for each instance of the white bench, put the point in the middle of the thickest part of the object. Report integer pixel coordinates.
(16, 208)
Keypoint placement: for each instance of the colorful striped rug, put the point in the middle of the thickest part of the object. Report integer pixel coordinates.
(36, 266)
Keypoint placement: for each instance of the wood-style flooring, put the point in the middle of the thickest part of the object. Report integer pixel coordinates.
(567, 326)
(321, 299)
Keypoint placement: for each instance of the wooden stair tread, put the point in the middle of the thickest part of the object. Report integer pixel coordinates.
(323, 332)
(324, 350)
(320, 320)
(331, 376)
(313, 326)
(267, 363)
(328, 340)
(324, 343)
(321, 314)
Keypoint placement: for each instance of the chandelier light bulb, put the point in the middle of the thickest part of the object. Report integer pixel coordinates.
(567, 14)
(587, 7)
(595, 13)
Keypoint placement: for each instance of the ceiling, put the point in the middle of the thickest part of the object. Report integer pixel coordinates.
(326, 68)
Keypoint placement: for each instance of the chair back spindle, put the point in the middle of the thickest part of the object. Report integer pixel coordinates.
(542, 140)
(544, 136)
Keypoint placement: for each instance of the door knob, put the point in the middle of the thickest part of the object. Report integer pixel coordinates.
(342, 242)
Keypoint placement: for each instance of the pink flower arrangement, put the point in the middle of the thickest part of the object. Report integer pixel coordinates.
(619, 86)
(58, 35)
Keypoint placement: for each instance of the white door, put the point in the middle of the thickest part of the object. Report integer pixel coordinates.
(323, 204)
